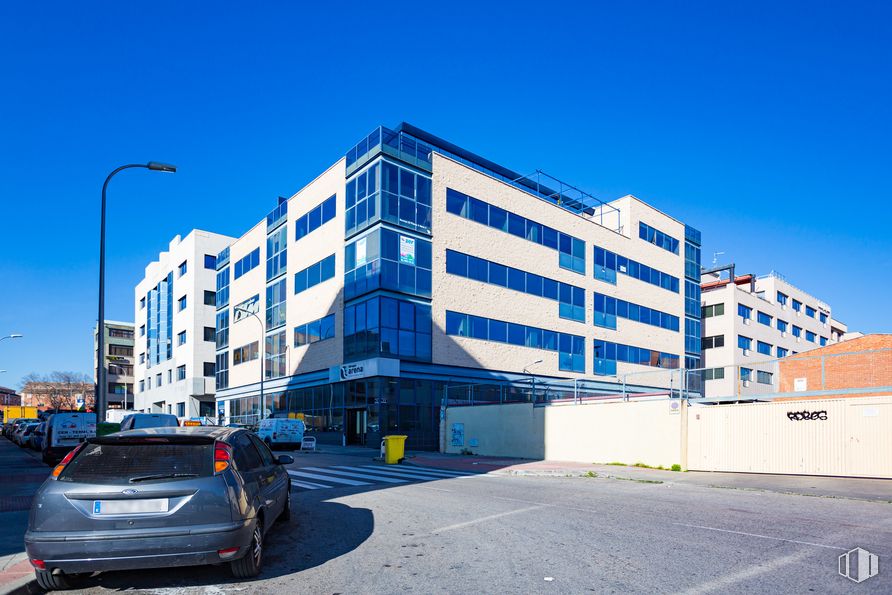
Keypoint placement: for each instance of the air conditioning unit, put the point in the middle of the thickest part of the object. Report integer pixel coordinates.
(799, 339)
(784, 334)
(783, 306)
(746, 383)
(747, 321)
(746, 352)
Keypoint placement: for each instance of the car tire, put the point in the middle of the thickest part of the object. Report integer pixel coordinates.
(286, 511)
(248, 566)
(55, 582)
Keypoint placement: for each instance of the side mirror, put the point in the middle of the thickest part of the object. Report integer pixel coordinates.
(284, 460)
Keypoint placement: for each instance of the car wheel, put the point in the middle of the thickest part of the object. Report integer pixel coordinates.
(248, 566)
(286, 512)
(56, 582)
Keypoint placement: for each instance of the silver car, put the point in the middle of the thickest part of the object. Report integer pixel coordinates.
(157, 497)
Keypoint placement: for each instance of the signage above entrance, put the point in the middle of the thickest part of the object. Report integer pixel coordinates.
(376, 366)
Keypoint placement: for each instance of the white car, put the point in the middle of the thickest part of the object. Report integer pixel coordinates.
(281, 432)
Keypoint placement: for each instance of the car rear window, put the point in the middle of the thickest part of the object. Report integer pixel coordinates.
(120, 463)
(154, 422)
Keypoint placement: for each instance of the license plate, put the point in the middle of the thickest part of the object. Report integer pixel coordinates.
(148, 505)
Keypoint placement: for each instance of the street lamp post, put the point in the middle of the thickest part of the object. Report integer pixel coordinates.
(102, 389)
(12, 336)
(262, 356)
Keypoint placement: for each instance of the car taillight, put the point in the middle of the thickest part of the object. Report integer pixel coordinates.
(228, 552)
(58, 468)
(38, 564)
(222, 457)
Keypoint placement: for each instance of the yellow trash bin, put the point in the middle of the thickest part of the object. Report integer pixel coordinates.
(394, 449)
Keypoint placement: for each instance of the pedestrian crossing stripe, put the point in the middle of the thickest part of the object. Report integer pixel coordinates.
(337, 476)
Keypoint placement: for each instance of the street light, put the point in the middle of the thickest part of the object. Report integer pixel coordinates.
(102, 389)
(532, 379)
(245, 310)
(12, 336)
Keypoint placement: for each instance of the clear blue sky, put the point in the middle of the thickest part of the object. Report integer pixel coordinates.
(765, 125)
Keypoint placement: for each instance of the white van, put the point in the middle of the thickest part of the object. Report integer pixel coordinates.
(140, 421)
(64, 431)
(281, 432)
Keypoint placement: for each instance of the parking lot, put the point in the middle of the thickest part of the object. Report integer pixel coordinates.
(361, 527)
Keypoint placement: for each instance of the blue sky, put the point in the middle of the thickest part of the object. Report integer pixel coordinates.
(765, 125)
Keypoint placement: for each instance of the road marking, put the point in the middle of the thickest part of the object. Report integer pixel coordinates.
(545, 504)
(356, 475)
(723, 583)
(432, 488)
(422, 471)
(307, 484)
(483, 519)
(349, 482)
(829, 547)
(391, 473)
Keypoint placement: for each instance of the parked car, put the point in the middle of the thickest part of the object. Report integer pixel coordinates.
(64, 432)
(140, 421)
(187, 496)
(35, 439)
(21, 436)
(17, 424)
(281, 432)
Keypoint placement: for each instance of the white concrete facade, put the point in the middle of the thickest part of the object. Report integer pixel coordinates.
(182, 384)
(774, 329)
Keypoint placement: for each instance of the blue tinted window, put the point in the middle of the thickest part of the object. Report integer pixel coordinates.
(498, 274)
(246, 263)
(763, 348)
(657, 237)
(516, 225)
(744, 342)
(516, 334)
(314, 274)
(608, 264)
(498, 331)
(764, 318)
(479, 211)
(498, 218)
(320, 214)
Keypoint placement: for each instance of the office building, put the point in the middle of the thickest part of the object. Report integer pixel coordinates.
(118, 361)
(748, 321)
(411, 265)
(174, 319)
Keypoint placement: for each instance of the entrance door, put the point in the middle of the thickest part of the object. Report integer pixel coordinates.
(357, 424)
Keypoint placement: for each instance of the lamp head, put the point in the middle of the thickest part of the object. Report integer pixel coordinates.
(156, 166)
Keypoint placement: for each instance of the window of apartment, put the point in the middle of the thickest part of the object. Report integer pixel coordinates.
(781, 325)
(246, 263)
(713, 373)
(764, 318)
(210, 261)
(744, 312)
(781, 352)
(823, 318)
(142, 303)
(823, 341)
(657, 237)
(149, 383)
(142, 386)
(388, 327)
(210, 298)
(782, 298)
(222, 329)
(222, 370)
(763, 377)
(181, 304)
(713, 342)
(763, 348)
(275, 305)
(209, 369)
(797, 331)
(169, 376)
(142, 331)
(181, 270)
(222, 287)
(120, 350)
(181, 410)
(158, 379)
(315, 218)
(744, 342)
(810, 336)
(142, 358)
(385, 191)
(120, 333)
(274, 354)
(608, 264)
(181, 338)
(797, 305)
(746, 374)
(181, 372)
(608, 309)
(713, 310)
(386, 259)
(276, 253)
(607, 354)
(245, 353)
(315, 331)
(210, 333)
(314, 274)
(810, 312)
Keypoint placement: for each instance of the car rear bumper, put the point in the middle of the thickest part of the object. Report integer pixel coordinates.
(134, 549)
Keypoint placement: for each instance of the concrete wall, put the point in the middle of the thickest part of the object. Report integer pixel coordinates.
(649, 432)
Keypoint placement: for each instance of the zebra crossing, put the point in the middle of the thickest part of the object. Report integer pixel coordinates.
(340, 476)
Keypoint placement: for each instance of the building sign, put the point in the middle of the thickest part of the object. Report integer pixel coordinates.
(407, 250)
(800, 384)
(376, 366)
(361, 245)
(246, 308)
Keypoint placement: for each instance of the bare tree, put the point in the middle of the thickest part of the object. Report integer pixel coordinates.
(59, 390)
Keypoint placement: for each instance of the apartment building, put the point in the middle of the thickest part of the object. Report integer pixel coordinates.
(750, 321)
(411, 265)
(174, 310)
(118, 360)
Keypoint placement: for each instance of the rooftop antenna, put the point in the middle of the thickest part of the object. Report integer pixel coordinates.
(715, 258)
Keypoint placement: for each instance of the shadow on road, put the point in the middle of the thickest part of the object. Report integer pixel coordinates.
(308, 540)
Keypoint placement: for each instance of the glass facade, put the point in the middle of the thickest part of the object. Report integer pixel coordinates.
(608, 264)
(275, 305)
(384, 191)
(387, 259)
(315, 219)
(692, 301)
(159, 322)
(608, 353)
(608, 309)
(314, 274)
(274, 355)
(657, 238)
(389, 327)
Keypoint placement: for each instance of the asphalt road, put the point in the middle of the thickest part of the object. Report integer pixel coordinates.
(509, 534)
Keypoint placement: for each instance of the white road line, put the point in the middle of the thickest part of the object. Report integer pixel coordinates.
(356, 475)
(424, 487)
(723, 583)
(396, 474)
(349, 482)
(829, 547)
(483, 519)
(308, 485)
(423, 471)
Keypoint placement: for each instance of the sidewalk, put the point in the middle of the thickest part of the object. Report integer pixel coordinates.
(875, 490)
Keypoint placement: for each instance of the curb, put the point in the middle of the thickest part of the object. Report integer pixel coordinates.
(23, 585)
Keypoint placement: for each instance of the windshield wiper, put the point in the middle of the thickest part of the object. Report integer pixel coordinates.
(161, 476)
